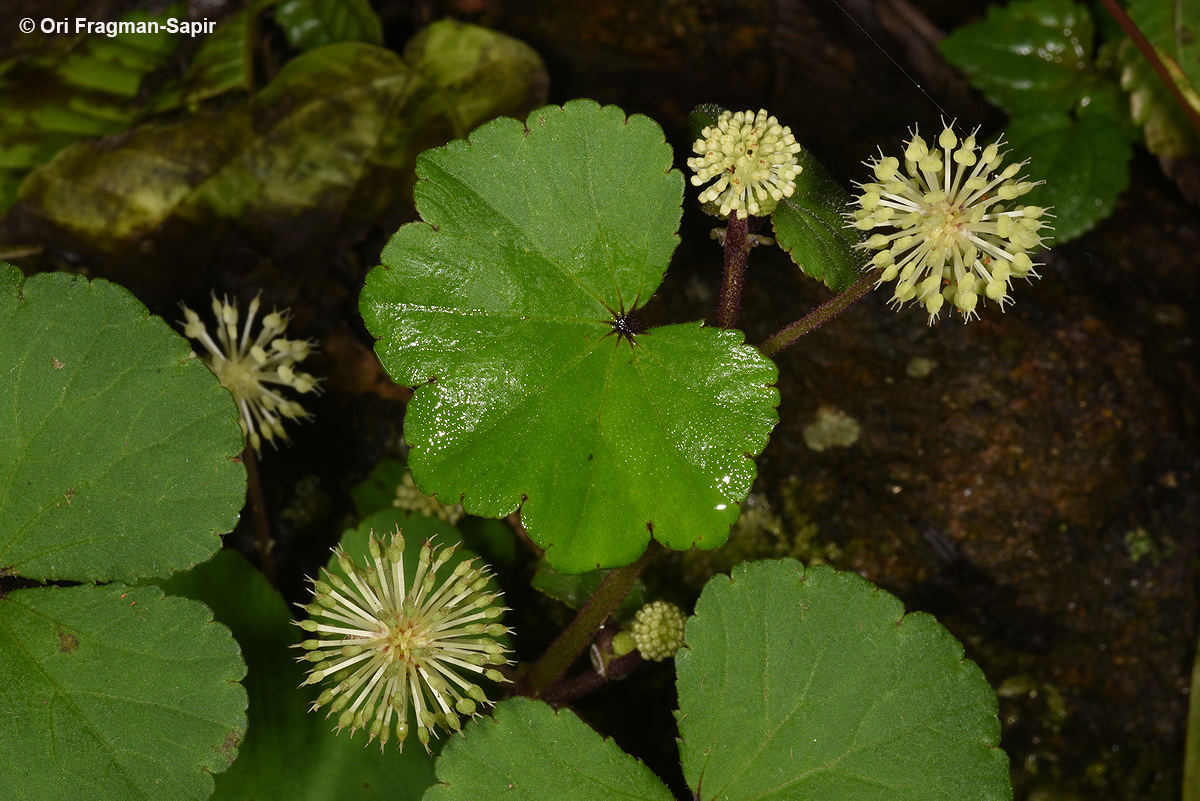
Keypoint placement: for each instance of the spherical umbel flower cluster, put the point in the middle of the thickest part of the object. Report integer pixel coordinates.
(752, 157)
(948, 229)
(400, 647)
(251, 368)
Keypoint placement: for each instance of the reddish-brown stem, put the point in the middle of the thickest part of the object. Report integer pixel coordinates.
(575, 637)
(1147, 50)
(258, 514)
(818, 316)
(737, 247)
(566, 690)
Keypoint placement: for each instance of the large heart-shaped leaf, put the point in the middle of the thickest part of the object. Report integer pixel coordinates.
(117, 452)
(508, 309)
(115, 692)
(813, 684)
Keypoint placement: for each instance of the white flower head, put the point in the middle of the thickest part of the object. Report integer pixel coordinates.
(752, 157)
(947, 229)
(403, 646)
(255, 366)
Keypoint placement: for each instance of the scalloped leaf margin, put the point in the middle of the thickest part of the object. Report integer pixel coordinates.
(509, 309)
(813, 683)
(118, 452)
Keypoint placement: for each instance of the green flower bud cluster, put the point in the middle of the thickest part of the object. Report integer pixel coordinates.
(658, 630)
(394, 647)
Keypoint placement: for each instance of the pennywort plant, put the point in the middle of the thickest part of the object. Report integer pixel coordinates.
(538, 394)
(137, 661)
(512, 308)
(514, 315)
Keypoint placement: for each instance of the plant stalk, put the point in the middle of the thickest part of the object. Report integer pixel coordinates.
(818, 316)
(733, 279)
(1191, 744)
(567, 690)
(258, 514)
(575, 637)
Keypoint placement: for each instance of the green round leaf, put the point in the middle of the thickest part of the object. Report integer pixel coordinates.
(289, 752)
(811, 227)
(1027, 56)
(813, 684)
(502, 310)
(115, 692)
(118, 453)
(529, 752)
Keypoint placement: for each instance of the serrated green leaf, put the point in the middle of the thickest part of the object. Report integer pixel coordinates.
(1028, 56)
(811, 227)
(115, 692)
(1083, 160)
(500, 309)
(332, 137)
(308, 24)
(813, 684)
(289, 752)
(529, 752)
(118, 453)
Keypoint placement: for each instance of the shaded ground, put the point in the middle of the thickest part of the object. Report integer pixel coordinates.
(1031, 479)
